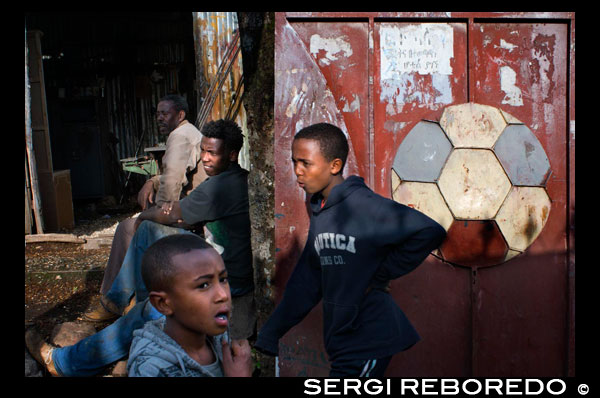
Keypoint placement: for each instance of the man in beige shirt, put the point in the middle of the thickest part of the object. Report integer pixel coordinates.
(179, 175)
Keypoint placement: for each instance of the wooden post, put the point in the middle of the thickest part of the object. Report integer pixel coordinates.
(36, 203)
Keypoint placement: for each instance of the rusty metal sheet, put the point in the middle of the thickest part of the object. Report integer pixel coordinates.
(422, 153)
(472, 125)
(436, 299)
(462, 312)
(522, 69)
(474, 184)
(474, 243)
(519, 315)
(522, 156)
(213, 32)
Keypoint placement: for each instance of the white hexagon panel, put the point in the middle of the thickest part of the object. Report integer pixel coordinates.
(426, 198)
(472, 125)
(474, 184)
(523, 215)
(489, 194)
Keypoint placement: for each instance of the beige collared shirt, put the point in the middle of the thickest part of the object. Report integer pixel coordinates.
(179, 171)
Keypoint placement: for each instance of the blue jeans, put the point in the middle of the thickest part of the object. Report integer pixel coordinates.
(92, 354)
(129, 279)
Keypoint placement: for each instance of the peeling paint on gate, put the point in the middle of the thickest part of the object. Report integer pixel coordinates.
(334, 48)
(508, 84)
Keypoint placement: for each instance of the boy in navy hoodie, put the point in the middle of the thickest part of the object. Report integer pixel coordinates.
(358, 241)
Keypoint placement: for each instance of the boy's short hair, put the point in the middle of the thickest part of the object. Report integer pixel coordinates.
(179, 102)
(157, 265)
(226, 130)
(331, 139)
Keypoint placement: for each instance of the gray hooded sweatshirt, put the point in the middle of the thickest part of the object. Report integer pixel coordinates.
(154, 354)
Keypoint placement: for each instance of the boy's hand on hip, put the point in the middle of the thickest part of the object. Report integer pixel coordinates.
(237, 361)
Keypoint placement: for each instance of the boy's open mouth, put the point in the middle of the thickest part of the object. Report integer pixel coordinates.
(222, 318)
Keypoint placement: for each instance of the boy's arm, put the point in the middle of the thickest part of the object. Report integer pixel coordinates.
(302, 293)
(168, 214)
(424, 236)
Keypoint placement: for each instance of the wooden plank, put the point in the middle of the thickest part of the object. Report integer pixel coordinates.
(65, 238)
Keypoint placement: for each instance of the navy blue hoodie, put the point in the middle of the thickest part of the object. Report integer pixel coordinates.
(356, 244)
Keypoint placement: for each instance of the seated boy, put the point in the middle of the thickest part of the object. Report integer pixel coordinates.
(187, 283)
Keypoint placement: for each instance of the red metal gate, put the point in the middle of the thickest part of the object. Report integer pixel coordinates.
(383, 77)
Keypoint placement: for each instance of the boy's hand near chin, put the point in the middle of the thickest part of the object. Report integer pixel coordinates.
(237, 361)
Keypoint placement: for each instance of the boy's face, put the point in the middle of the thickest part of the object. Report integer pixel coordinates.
(214, 158)
(314, 173)
(199, 297)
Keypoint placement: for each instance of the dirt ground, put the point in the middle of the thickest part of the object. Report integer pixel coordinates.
(63, 279)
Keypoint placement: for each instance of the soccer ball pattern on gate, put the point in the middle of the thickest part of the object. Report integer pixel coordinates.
(481, 174)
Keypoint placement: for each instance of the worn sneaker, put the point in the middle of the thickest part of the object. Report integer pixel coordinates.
(131, 304)
(103, 310)
(40, 351)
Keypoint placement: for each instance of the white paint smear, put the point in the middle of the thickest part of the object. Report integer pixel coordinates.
(333, 47)
(506, 45)
(508, 84)
(352, 106)
(423, 48)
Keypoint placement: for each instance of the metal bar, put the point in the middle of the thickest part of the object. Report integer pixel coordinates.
(222, 80)
(211, 89)
(371, 118)
(237, 100)
(219, 79)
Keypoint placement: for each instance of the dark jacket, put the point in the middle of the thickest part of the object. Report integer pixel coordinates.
(356, 244)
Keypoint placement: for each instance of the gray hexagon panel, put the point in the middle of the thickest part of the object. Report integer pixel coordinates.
(522, 156)
(422, 153)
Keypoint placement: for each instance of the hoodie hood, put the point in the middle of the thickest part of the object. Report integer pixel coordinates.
(153, 348)
(338, 193)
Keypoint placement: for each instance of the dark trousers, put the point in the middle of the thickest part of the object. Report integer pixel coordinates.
(373, 368)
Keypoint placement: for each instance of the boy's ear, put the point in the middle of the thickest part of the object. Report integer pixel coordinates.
(233, 156)
(336, 166)
(160, 301)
